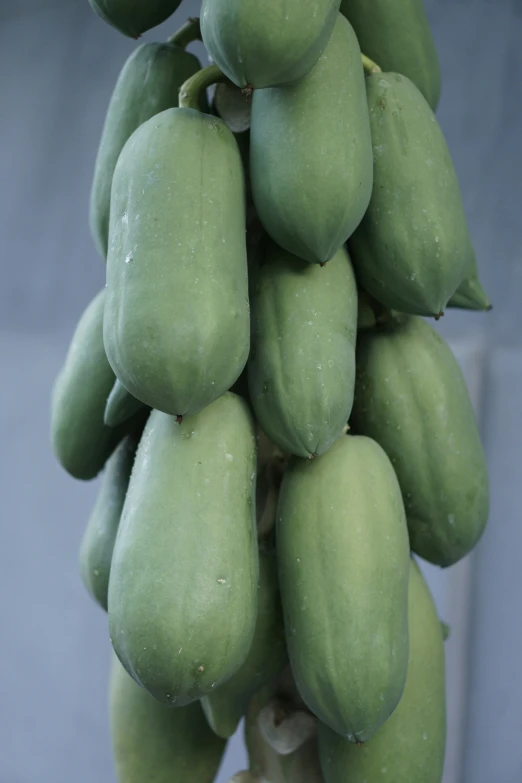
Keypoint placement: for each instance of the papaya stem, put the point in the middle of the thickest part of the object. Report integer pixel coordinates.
(190, 92)
(189, 32)
(369, 65)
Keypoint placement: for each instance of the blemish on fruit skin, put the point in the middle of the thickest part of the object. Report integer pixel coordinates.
(222, 581)
(200, 669)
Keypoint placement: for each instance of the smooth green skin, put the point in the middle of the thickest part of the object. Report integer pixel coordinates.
(184, 574)
(410, 747)
(176, 325)
(121, 405)
(470, 295)
(268, 46)
(396, 35)
(343, 567)
(311, 153)
(302, 363)
(411, 397)
(100, 534)
(225, 707)
(81, 441)
(411, 248)
(153, 743)
(134, 17)
(148, 84)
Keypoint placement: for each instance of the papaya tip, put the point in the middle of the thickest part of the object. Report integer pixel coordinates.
(439, 315)
(247, 90)
(179, 419)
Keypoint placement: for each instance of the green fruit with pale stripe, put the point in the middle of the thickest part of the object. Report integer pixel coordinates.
(470, 294)
(409, 748)
(153, 743)
(302, 363)
(397, 36)
(176, 325)
(311, 155)
(343, 552)
(412, 246)
(148, 84)
(267, 656)
(134, 17)
(121, 405)
(269, 45)
(184, 573)
(411, 397)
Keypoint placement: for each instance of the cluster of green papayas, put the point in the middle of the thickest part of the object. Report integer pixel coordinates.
(280, 431)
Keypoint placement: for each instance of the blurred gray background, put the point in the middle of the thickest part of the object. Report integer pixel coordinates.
(59, 63)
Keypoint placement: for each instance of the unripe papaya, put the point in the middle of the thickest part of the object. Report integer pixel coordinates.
(411, 248)
(176, 325)
(100, 534)
(121, 405)
(302, 363)
(411, 397)
(184, 573)
(148, 84)
(409, 748)
(225, 706)
(470, 294)
(134, 17)
(343, 566)
(311, 154)
(269, 45)
(153, 743)
(397, 36)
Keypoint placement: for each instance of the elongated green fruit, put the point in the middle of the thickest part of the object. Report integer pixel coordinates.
(310, 152)
(411, 248)
(121, 405)
(302, 364)
(176, 325)
(151, 742)
(183, 585)
(411, 397)
(100, 534)
(398, 37)
(134, 17)
(148, 84)
(226, 706)
(81, 441)
(409, 748)
(264, 47)
(470, 294)
(343, 566)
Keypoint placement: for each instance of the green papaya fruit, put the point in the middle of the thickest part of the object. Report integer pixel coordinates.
(184, 573)
(134, 17)
(100, 534)
(470, 294)
(148, 83)
(311, 154)
(409, 748)
(397, 36)
(411, 248)
(120, 406)
(343, 551)
(225, 706)
(263, 47)
(411, 397)
(153, 743)
(81, 441)
(176, 324)
(302, 364)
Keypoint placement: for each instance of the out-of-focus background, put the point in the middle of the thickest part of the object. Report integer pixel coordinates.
(59, 63)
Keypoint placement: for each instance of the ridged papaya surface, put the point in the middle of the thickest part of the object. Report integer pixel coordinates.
(470, 294)
(302, 363)
(100, 534)
(134, 17)
(409, 748)
(121, 405)
(184, 574)
(343, 566)
(148, 84)
(154, 744)
(411, 248)
(311, 155)
(397, 36)
(411, 397)
(263, 46)
(226, 706)
(176, 325)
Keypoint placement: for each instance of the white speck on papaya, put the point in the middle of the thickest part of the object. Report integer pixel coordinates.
(200, 669)
(222, 581)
